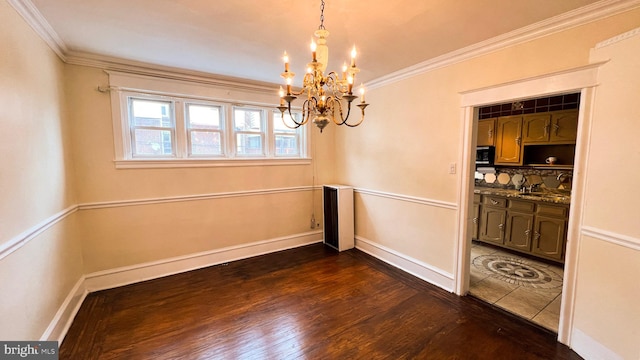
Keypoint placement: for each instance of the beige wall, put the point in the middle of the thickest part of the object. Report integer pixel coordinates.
(129, 235)
(413, 131)
(36, 182)
(608, 290)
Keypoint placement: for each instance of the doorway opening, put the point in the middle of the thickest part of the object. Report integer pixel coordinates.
(521, 205)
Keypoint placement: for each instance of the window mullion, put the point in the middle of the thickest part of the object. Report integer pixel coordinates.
(230, 136)
(269, 130)
(182, 150)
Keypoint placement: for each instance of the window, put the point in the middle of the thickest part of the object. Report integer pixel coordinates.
(204, 130)
(152, 127)
(178, 131)
(248, 127)
(286, 139)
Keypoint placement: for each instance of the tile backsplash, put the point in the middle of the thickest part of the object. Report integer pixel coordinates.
(516, 177)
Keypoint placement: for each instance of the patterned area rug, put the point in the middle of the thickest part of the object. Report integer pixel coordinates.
(517, 271)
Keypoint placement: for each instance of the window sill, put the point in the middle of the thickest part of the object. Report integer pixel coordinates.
(196, 163)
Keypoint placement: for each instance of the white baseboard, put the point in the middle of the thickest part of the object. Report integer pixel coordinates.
(407, 264)
(58, 327)
(588, 348)
(112, 278)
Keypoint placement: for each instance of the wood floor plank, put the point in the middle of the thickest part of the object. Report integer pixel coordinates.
(305, 303)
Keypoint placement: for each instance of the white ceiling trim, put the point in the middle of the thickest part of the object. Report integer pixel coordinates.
(139, 68)
(618, 38)
(581, 16)
(41, 26)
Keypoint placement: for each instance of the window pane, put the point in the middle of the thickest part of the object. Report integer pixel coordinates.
(151, 113)
(203, 117)
(248, 144)
(278, 124)
(205, 143)
(286, 145)
(153, 142)
(247, 120)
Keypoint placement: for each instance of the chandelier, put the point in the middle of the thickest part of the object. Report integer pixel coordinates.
(325, 94)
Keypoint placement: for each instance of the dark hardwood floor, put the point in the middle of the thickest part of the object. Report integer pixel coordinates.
(305, 303)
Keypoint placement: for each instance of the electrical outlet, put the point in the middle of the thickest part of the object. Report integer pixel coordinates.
(452, 168)
(313, 222)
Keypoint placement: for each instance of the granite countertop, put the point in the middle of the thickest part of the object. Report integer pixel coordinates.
(545, 196)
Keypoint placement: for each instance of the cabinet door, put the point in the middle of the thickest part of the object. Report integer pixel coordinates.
(509, 140)
(486, 132)
(564, 127)
(535, 128)
(492, 225)
(519, 226)
(476, 221)
(549, 237)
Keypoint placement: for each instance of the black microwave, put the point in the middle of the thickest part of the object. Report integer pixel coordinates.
(485, 155)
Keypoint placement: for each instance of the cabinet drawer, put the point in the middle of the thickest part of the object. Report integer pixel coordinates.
(476, 198)
(550, 210)
(494, 201)
(523, 206)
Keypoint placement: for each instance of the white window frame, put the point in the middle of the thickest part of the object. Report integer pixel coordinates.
(272, 145)
(222, 131)
(124, 155)
(263, 134)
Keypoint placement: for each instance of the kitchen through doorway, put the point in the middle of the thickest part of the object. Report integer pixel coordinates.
(521, 200)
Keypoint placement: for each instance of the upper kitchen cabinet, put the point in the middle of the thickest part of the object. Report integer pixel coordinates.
(486, 132)
(509, 140)
(558, 127)
(564, 127)
(535, 128)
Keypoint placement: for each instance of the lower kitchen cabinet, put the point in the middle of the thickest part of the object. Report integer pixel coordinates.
(519, 226)
(492, 221)
(549, 237)
(530, 227)
(476, 216)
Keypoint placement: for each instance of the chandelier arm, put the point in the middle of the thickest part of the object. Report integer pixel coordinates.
(335, 101)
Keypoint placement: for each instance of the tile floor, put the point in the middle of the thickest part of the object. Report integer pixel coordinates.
(525, 287)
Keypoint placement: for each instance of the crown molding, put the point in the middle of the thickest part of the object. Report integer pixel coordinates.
(581, 16)
(41, 26)
(577, 17)
(617, 39)
(108, 63)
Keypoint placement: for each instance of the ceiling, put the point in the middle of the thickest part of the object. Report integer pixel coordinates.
(246, 38)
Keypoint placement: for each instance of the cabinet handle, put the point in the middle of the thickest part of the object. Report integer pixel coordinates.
(536, 235)
(556, 127)
(493, 202)
(501, 226)
(475, 220)
(490, 133)
(518, 139)
(527, 232)
(546, 130)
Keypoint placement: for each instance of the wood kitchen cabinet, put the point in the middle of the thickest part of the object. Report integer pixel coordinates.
(559, 127)
(509, 140)
(530, 227)
(493, 218)
(564, 127)
(549, 236)
(535, 128)
(519, 225)
(476, 216)
(486, 132)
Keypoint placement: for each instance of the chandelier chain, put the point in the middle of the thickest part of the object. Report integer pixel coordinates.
(321, 27)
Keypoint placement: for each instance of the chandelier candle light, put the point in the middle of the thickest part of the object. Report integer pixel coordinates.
(324, 93)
